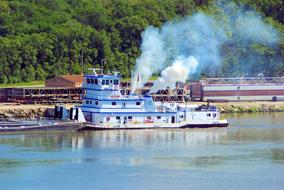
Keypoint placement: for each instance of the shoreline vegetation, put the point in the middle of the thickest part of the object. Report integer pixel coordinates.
(43, 39)
(29, 111)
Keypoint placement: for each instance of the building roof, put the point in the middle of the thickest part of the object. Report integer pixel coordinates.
(73, 78)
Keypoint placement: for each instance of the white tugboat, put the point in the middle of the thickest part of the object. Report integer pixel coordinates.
(104, 107)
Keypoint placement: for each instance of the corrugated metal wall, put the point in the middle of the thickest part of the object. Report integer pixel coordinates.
(224, 91)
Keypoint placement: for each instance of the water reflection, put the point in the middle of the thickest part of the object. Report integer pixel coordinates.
(144, 138)
(245, 142)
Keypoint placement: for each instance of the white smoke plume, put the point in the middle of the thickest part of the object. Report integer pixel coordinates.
(202, 37)
(152, 58)
(177, 72)
(193, 36)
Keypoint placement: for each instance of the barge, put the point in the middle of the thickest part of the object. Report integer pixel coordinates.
(62, 119)
(19, 126)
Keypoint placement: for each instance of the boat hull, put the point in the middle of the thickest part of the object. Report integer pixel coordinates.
(219, 124)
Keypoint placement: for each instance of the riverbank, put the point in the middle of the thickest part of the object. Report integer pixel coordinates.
(22, 111)
(34, 111)
(250, 107)
(25, 111)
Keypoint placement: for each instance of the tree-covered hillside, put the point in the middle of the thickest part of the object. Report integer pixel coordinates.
(41, 38)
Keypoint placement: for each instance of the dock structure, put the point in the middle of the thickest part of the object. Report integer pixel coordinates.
(53, 95)
(41, 95)
(238, 89)
(179, 94)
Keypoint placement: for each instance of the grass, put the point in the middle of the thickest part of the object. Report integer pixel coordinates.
(23, 84)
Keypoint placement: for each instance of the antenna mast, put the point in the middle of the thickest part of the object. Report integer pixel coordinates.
(103, 61)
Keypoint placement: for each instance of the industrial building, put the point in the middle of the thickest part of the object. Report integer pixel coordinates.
(238, 89)
(71, 81)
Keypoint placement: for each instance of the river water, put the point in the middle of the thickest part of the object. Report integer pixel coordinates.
(247, 155)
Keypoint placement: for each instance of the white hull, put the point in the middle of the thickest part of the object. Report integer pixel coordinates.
(192, 124)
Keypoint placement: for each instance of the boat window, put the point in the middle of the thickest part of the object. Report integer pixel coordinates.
(88, 80)
(148, 117)
(92, 81)
(129, 117)
(115, 82)
(138, 103)
(96, 81)
(158, 117)
(103, 82)
(97, 103)
(117, 117)
(214, 114)
(208, 114)
(90, 102)
(113, 103)
(110, 81)
(107, 82)
(181, 116)
(87, 102)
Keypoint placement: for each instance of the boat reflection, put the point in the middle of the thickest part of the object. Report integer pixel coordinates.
(141, 138)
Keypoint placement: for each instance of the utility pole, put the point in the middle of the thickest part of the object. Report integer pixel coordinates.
(103, 61)
(82, 61)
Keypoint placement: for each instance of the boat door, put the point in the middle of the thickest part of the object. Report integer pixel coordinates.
(173, 119)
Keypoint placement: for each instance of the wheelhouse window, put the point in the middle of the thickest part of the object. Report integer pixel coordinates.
(92, 81)
(88, 81)
(87, 101)
(115, 82)
(103, 82)
(158, 117)
(113, 103)
(107, 82)
(138, 103)
(96, 81)
(117, 117)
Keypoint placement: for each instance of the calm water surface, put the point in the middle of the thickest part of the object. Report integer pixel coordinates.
(247, 155)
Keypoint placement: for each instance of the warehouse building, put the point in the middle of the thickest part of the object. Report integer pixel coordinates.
(238, 89)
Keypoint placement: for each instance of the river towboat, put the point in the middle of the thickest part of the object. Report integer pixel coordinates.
(104, 107)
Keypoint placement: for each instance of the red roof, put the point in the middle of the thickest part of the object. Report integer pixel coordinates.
(73, 78)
